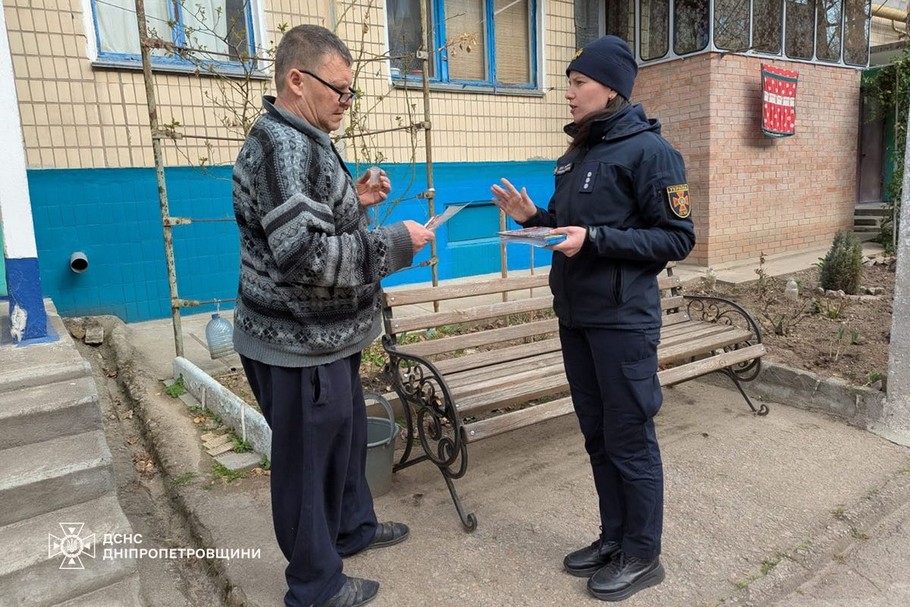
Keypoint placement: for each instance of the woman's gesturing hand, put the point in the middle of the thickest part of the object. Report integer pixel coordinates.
(516, 204)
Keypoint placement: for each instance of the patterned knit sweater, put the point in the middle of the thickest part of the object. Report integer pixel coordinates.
(309, 264)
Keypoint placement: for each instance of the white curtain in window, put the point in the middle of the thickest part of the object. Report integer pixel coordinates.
(512, 30)
(466, 39)
(117, 27)
(206, 22)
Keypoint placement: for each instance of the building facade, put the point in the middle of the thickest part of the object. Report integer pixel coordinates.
(495, 103)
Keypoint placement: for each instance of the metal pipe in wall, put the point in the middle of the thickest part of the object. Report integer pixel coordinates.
(887, 12)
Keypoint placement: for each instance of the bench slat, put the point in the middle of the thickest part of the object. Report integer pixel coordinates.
(665, 282)
(507, 422)
(481, 338)
(405, 296)
(484, 359)
(672, 303)
(454, 317)
(668, 377)
(687, 330)
(526, 382)
(505, 370)
(402, 324)
(702, 346)
(668, 320)
(511, 394)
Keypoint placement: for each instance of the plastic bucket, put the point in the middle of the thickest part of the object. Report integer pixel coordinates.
(382, 434)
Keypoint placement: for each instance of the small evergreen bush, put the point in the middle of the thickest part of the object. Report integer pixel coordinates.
(842, 268)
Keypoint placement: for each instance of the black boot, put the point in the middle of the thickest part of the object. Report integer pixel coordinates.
(624, 576)
(587, 561)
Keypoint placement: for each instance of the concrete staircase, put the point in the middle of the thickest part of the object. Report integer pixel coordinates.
(58, 495)
(867, 219)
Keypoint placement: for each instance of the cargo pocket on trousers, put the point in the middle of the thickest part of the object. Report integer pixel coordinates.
(643, 385)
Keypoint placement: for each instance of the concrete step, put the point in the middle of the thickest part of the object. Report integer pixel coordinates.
(42, 477)
(40, 413)
(872, 211)
(34, 573)
(25, 371)
(125, 593)
(866, 221)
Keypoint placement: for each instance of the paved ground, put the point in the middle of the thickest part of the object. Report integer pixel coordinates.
(793, 509)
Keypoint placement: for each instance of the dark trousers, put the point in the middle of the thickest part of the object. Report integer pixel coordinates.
(613, 379)
(321, 505)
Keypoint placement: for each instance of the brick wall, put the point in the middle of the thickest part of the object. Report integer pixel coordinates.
(752, 193)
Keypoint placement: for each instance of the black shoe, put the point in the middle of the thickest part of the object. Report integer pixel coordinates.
(624, 576)
(588, 561)
(354, 593)
(388, 534)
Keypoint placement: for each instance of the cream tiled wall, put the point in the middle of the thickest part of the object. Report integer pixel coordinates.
(75, 115)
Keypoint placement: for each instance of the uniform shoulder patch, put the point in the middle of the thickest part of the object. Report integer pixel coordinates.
(678, 197)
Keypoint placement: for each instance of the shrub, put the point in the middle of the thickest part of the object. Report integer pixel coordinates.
(842, 268)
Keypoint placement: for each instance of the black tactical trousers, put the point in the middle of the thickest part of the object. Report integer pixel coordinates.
(613, 379)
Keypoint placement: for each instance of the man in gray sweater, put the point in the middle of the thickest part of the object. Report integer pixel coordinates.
(308, 303)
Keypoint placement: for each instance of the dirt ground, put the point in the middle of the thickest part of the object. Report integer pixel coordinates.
(830, 336)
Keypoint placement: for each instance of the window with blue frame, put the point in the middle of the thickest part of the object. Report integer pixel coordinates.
(474, 42)
(217, 31)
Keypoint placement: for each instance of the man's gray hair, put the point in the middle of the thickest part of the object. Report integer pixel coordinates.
(303, 47)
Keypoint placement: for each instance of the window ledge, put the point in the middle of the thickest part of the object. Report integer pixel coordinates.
(136, 65)
(481, 89)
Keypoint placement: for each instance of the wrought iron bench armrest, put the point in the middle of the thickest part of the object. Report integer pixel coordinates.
(723, 311)
(429, 409)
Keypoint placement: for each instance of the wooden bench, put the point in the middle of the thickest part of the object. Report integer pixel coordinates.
(466, 369)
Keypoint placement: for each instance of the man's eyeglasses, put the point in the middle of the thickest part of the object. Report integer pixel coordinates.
(343, 96)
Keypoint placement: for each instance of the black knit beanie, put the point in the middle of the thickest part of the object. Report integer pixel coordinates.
(609, 61)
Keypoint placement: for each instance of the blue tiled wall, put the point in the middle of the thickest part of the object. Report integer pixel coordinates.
(112, 215)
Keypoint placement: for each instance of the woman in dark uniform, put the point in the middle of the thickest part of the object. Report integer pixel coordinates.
(622, 201)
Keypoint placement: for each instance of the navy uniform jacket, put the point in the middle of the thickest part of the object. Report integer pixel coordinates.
(629, 189)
